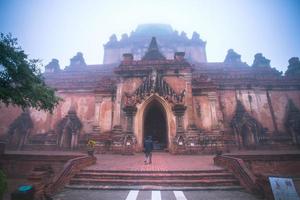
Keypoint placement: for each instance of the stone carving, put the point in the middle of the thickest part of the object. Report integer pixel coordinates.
(19, 130)
(130, 112)
(294, 67)
(202, 81)
(77, 62)
(68, 130)
(232, 57)
(113, 42)
(247, 129)
(129, 139)
(113, 38)
(154, 83)
(179, 140)
(292, 121)
(195, 36)
(260, 61)
(183, 35)
(53, 66)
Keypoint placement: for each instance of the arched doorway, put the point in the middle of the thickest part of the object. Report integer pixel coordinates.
(155, 125)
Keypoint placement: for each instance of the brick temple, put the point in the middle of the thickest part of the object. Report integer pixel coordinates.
(158, 82)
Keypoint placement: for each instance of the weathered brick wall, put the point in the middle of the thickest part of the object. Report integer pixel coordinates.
(20, 165)
(279, 101)
(253, 170)
(7, 116)
(203, 112)
(284, 164)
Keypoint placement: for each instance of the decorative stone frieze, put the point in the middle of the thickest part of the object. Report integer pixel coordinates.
(154, 83)
(130, 112)
(179, 110)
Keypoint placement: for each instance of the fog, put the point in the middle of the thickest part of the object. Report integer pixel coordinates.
(59, 29)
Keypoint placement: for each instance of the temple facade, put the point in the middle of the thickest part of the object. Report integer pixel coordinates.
(158, 83)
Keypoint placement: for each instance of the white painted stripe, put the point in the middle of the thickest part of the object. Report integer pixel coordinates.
(155, 195)
(132, 195)
(179, 195)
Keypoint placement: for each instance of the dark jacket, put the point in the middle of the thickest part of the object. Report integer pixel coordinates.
(148, 145)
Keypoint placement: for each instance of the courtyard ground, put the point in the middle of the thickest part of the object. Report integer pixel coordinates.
(160, 162)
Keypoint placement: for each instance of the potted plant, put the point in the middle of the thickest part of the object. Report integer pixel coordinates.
(91, 147)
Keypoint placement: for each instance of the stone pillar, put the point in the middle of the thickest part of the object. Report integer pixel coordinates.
(212, 97)
(189, 100)
(117, 106)
(179, 111)
(97, 124)
(130, 112)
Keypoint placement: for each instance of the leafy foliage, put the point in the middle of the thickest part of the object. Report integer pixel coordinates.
(21, 81)
(3, 183)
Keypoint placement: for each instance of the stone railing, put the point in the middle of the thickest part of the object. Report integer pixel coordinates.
(70, 168)
(239, 169)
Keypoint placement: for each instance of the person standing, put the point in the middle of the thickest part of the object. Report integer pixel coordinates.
(148, 147)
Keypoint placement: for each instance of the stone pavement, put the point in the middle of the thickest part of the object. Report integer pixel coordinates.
(160, 162)
(68, 194)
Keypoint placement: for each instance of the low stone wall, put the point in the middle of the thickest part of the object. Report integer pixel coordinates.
(16, 165)
(276, 164)
(47, 173)
(238, 167)
(70, 169)
(253, 170)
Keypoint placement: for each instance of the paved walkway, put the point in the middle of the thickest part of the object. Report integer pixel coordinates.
(160, 162)
(152, 195)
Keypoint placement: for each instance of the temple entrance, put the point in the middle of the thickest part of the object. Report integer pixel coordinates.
(155, 125)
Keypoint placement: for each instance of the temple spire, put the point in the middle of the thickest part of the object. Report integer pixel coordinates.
(153, 51)
(153, 45)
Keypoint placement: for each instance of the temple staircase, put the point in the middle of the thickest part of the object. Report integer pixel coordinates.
(155, 180)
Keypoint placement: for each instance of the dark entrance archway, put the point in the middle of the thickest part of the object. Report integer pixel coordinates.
(155, 125)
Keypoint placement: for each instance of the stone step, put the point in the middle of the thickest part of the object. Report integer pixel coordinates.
(177, 182)
(144, 179)
(154, 171)
(163, 176)
(152, 187)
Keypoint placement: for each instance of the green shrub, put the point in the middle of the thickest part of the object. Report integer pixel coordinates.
(3, 183)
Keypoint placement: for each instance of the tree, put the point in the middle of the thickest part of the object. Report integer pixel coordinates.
(21, 81)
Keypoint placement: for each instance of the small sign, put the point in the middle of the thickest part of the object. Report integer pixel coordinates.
(192, 144)
(283, 188)
(180, 143)
(128, 143)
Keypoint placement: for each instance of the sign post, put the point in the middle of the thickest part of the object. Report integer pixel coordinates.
(283, 188)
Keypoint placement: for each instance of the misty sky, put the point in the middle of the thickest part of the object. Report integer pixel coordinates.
(49, 29)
